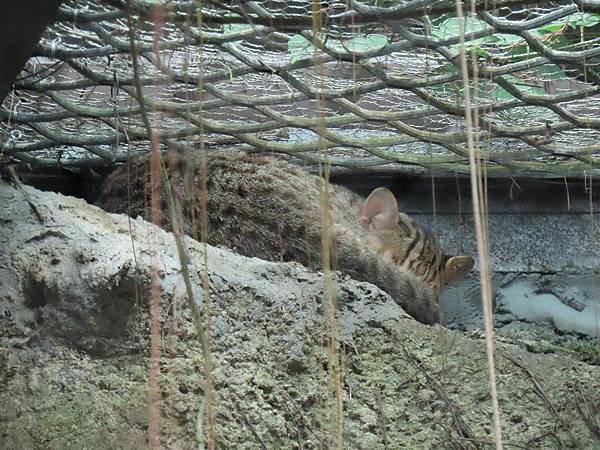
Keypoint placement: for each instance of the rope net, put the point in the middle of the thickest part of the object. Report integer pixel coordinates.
(363, 84)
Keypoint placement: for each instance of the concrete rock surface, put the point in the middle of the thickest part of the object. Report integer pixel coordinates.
(74, 363)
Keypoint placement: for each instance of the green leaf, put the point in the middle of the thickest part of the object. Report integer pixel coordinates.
(300, 47)
(501, 94)
(509, 39)
(552, 27)
(451, 27)
(360, 44)
(236, 27)
(585, 19)
(525, 88)
(552, 72)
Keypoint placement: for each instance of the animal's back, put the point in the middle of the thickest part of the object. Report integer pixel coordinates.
(268, 208)
(257, 205)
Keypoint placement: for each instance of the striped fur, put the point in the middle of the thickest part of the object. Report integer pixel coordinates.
(421, 255)
(408, 245)
(265, 207)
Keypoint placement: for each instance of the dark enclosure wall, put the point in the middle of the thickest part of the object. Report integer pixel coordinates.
(22, 22)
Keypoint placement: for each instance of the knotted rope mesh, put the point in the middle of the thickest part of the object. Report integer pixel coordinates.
(358, 83)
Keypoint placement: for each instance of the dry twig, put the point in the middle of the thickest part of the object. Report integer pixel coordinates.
(19, 185)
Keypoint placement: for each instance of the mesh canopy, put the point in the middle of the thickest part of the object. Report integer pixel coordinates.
(360, 83)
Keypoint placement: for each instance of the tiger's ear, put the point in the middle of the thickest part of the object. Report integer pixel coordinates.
(380, 211)
(457, 267)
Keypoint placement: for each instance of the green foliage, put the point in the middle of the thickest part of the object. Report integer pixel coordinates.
(236, 27)
(557, 34)
(573, 21)
(300, 47)
(451, 27)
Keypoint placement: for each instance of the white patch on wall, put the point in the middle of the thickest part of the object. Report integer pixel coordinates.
(527, 302)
